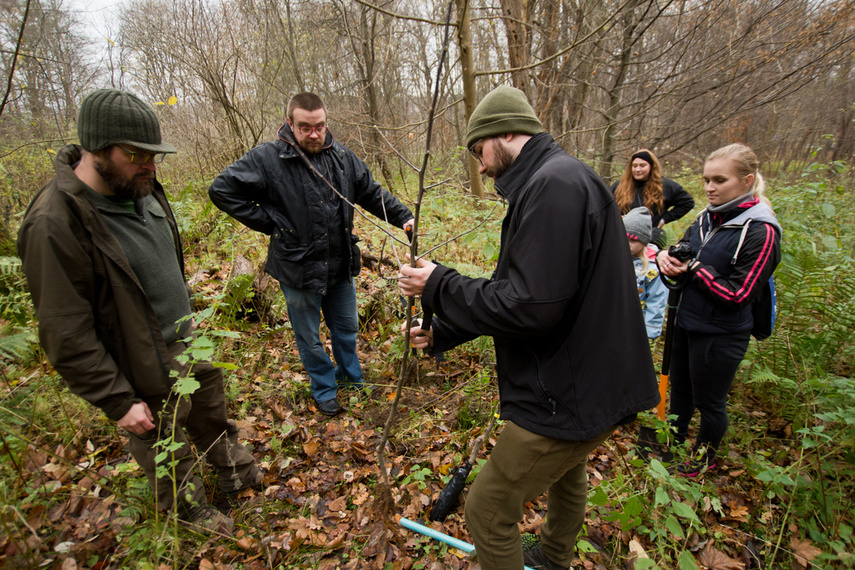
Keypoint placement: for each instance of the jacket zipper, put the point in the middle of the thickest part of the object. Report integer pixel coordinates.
(546, 394)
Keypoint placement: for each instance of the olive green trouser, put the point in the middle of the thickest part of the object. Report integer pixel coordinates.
(521, 467)
(203, 416)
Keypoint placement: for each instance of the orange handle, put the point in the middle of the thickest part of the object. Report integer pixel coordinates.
(663, 394)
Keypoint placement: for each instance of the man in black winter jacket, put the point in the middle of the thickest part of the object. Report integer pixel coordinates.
(562, 307)
(301, 190)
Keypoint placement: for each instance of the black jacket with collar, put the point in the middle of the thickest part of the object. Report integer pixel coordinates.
(562, 306)
(738, 251)
(272, 190)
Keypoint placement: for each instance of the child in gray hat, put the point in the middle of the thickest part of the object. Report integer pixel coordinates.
(651, 290)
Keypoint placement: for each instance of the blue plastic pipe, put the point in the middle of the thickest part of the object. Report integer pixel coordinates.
(449, 540)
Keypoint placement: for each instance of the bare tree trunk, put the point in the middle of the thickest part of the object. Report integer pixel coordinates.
(843, 146)
(368, 25)
(292, 50)
(628, 42)
(517, 22)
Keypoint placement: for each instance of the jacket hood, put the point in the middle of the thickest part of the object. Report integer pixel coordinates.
(65, 160)
(759, 212)
(286, 135)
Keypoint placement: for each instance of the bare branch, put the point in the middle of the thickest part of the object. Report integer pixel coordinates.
(381, 446)
(558, 54)
(401, 16)
(460, 235)
(14, 61)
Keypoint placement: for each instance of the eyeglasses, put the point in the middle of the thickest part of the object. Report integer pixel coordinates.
(144, 157)
(306, 131)
(472, 151)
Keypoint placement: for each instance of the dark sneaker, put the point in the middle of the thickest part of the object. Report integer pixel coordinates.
(536, 559)
(254, 482)
(665, 455)
(330, 407)
(210, 520)
(694, 467)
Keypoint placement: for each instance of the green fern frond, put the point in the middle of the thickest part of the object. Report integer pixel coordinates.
(9, 265)
(816, 312)
(18, 346)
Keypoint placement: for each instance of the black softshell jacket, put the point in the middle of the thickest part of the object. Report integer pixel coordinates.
(738, 251)
(562, 306)
(273, 191)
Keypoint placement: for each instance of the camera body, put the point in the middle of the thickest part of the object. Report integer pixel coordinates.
(682, 251)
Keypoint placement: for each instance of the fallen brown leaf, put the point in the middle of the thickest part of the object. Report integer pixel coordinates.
(739, 513)
(311, 448)
(714, 559)
(804, 551)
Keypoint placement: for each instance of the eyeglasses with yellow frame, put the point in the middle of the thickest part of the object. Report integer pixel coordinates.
(144, 157)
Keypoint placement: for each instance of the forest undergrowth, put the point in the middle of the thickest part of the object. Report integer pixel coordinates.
(71, 496)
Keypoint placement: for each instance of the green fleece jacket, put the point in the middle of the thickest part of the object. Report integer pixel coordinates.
(96, 324)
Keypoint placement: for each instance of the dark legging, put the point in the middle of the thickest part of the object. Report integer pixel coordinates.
(702, 371)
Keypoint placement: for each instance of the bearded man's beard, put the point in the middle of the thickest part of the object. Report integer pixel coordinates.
(135, 188)
(502, 160)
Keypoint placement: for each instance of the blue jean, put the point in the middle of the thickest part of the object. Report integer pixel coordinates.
(340, 315)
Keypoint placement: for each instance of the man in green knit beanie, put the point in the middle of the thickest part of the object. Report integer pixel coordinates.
(571, 346)
(104, 262)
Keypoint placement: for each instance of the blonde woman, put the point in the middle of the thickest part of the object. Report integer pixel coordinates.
(737, 245)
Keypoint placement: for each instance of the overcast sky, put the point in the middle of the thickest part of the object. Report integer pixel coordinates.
(95, 14)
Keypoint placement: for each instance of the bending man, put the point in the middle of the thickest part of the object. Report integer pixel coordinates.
(104, 262)
(571, 346)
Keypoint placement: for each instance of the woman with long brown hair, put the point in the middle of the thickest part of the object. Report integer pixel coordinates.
(642, 184)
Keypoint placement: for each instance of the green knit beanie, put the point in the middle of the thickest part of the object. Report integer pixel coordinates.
(504, 110)
(110, 116)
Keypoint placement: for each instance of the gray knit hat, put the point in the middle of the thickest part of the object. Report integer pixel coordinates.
(638, 224)
(503, 110)
(110, 116)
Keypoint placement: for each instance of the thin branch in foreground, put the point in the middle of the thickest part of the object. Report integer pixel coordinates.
(460, 235)
(401, 16)
(383, 494)
(13, 64)
(345, 200)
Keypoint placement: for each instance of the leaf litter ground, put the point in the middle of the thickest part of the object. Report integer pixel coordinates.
(319, 502)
